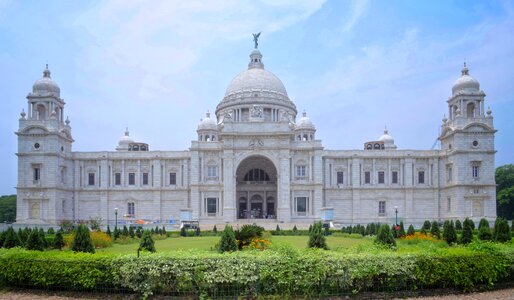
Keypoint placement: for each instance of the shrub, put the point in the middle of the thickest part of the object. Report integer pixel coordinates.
(34, 241)
(183, 232)
(228, 240)
(484, 231)
(326, 231)
(197, 231)
(501, 231)
(401, 233)
(42, 237)
(426, 225)
(131, 232)
(116, 233)
(467, 232)
(100, 239)
(458, 225)
(11, 239)
(139, 232)
(434, 230)
(147, 242)
(316, 238)
(472, 224)
(449, 234)
(50, 230)
(278, 228)
(214, 229)
(125, 231)
(82, 241)
(411, 230)
(385, 237)
(164, 230)
(295, 230)
(246, 234)
(109, 231)
(59, 240)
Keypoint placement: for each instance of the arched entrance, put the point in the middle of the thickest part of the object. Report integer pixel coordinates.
(256, 188)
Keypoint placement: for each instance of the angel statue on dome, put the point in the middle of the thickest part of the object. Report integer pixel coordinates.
(256, 39)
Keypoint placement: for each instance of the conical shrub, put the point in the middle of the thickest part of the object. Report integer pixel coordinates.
(501, 231)
(385, 237)
(147, 242)
(228, 240)
(316, 237)
(82, 240)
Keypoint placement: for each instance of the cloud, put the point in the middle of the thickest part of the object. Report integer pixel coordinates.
(357, 10)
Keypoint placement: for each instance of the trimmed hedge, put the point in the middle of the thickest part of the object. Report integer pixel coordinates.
(281, 272)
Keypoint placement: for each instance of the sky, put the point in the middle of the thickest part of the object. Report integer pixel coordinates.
(157, 66)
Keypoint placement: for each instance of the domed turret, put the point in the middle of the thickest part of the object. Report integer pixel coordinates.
(305, 123)
(387, 139)
(207, 123)
(207, 129)
(304, 129)
(124, 142)
(466, 83)
(46, 86)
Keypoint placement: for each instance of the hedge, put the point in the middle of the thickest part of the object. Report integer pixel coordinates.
(280, 272)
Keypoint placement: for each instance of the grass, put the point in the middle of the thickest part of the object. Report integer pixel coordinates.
(207, 243)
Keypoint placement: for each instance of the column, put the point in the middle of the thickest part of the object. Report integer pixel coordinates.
(229, 209)
(284, 187)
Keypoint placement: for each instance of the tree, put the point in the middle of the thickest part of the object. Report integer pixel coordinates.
(183, 231)
(117, 233)
(8, 209)
(147, 242)
(484, 231)
(385, 237)
(228, 240)
(11, 239)
(501, 231)
(34, 241)
(434, 230)
(132, 234)
(295, 230)
(401, 233)
(50, 230)
(277, 229)
(316, 237)
(82, 241)
(108, 231)
(43, 237)
(504, 176)
(458, 225)
(163, 230)
(467, 232)
(427, 225)
(214, 229)
(58, 240)
(125, 231)
(449, 233)
(411, 230)
(197, 231)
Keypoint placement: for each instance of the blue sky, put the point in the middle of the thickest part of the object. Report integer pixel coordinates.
(158, 66)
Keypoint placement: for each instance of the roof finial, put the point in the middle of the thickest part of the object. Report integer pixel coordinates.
(46, 72)
(126, 131)
(208, 114)
(304, 113)
(465, 70)
(385, 130)
(256, 39)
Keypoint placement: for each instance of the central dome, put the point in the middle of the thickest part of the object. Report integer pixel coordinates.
(255, 86)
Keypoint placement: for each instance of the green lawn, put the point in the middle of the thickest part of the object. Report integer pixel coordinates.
(208, 242)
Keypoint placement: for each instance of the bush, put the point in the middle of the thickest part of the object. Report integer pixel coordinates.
(59, 240)
(484, 231)
(458, 225)
(434, 230)
(385, 237)
(467, 232)
(246, 234)
(125, 231)
(11, 239)
(183, 232)
(449, 233)
(197, 231)
(214, 229)
(228, 240)
(116, 233)
(295, 230)
(82, 241)
(316, 237)
(427, 225)
(147, 242)
(34, 241)
(278, 228)
(50, 230)
(42, 236)
(411, 230)
(401, 233)
(100, 239)
(501, 231)
(131, 231)
(108, 231)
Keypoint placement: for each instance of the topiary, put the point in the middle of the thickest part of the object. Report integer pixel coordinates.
(449, 234)
(214, 229)
(59, 240)
(11, 239)
(132, 234)
(501, 231)
(401, 233)
(458, 225)
(278, 228)
(43, 239)
(411, 230)
(34, 241)
(197, 231)
(147, 242)
(125, 231)
(228, 240)
(316, 238)
(82, 240)
(426, 225)
(163, 230)
(139, 232)
(108, 231)
(385, 237)
(484, 231)
(326, 231)
(50, 230)
(467, 232)
(434, 230)
(295, 230)
(117, 233)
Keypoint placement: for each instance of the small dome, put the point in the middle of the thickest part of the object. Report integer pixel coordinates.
(46, 86)
(387, 139)
(305, 123)
(123, 143)
(207, 123)
(465, 83)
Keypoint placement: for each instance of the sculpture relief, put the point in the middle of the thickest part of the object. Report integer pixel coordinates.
(256, 111)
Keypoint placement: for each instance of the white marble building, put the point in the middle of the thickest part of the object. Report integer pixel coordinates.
(256, 161)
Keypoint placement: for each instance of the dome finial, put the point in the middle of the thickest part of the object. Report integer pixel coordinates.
(385, 130)
(46, 72)
(304, 113)
(208, 114)
(126, 131)
(465, 70)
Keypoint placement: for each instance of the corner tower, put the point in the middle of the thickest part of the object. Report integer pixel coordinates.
(467, 145)
(45, 168)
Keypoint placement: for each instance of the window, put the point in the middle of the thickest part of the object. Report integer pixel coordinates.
(91, 178)
(212, 171)
(173, 178)
(301, 171)
(449, 174)
(381, 208)
(145, 178)
(117, 178)
(131, 208)
(381, 177)
(211, 205)
(340, 177)
(63, 175)
(449, 204)
(37, 174)
(421, 177)
(256, 175)
(475, 171)
(367, 177)
(132, 178)
(395, 177)
(301, 205)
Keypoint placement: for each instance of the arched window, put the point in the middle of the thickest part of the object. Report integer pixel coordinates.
(200, 138)
(305, 137)
(41, 112)
(256, 175)
(471, 110)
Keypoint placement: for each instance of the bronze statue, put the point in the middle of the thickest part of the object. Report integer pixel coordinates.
(256, 39)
